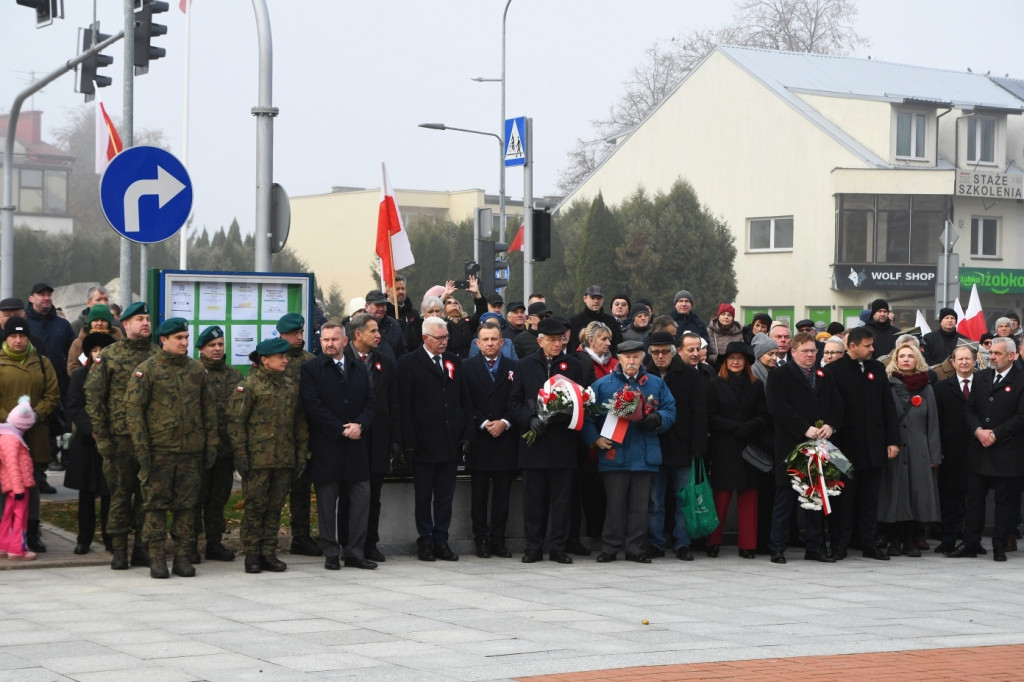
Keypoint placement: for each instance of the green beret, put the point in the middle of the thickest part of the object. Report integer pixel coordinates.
(100, 311)
(209, 334)
(172, 325)
(292, 322)
(137, 308)
(272, 346)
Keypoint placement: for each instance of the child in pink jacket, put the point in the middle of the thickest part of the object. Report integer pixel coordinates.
(15, 480)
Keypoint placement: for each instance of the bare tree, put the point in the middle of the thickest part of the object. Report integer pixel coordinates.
(819, 26)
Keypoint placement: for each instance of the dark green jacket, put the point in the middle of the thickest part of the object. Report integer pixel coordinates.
(266, 422)
(106, 384)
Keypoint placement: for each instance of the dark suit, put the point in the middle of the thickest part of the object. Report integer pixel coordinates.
(385, 432)
(434, 406)
(1000, 408)
(956, 439)
(796, 407)
(548, 464)
(331, 400)
(491, 461)
(870, 425)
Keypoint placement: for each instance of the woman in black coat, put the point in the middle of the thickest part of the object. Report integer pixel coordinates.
(737, 415)
(84, 471)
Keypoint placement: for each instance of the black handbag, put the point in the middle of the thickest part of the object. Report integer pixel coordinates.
(757, 458)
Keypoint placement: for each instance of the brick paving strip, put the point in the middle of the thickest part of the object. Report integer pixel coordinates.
(981, 662)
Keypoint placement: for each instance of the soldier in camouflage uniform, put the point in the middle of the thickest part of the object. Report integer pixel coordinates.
(268, 433)
(291, 328)
(215, 488)
(173, 421)
(105, 405)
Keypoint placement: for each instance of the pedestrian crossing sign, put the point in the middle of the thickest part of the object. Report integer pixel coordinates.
(515, 142)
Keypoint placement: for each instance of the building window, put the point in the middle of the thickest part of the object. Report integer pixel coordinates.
(910, 134)
(981, 139)
(889, 228)
(39, 191)
(985, 237)
(771, 234)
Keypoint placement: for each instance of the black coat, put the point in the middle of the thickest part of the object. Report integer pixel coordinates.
(387, 427)
(870, 423)
(84, 466)
(1001, 410)
(434, 406)
(738, 416)
(938, 345)
(884, 339)
(525, 343)
(489, 402)
(330, 401)
(687, 438)
(580, 320)
(954, 433)
(557, 447)
(796, 407)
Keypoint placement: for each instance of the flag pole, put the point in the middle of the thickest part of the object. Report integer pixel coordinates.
(183, 247)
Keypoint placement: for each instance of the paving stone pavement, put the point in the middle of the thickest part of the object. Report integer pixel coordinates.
(479, 619)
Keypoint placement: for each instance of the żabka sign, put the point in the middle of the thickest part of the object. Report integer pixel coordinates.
(993, 280)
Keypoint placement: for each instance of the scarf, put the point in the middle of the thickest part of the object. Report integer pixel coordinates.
(13, 431)
(914, 382)
(599, 359)
(16, 355)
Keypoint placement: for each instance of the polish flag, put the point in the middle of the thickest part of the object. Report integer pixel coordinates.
(973, 325)
(921, 323)
(959, 310)
(108, 142)
(517, 243)
(184, 5)
(392, 239)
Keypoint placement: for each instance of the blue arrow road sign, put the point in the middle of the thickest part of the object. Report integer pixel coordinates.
(515, 142)
(146, 194)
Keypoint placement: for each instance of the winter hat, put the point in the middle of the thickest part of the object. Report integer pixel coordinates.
(100, 311)
(639, 310)
(725, 308)
(878, 304)
(946, 312)
(835, 328)
(763, 343)
(682, 293)
(763, 317)
(437, 291)
(22, 416)
(16, 325)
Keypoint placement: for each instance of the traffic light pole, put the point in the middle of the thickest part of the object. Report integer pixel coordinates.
(264, 113)
(8, 208)
(127, 137)
(528, 213)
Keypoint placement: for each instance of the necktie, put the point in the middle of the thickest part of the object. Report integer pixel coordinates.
(999, 378)
(437, 361)
(490, 368)
(341, 368)
(862, 368)
(810, 377)
(967, 390)
(362, 356)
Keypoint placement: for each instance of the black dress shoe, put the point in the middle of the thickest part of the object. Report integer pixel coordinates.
(445, 553)
(218, 552)
(560, 557)
(875, 553)
(656, 553)
(354, 562)
(684, 554)
(641, 558)
(747, 554)
(501, 551)
(819, 556)
(426, 554)
(911, 550)
(778, 558)
(576, 547)
(46, 489)
(483, 550)
(945, 548)
(35, 543)
(332, 563)
(998, 554)
(270, 562)
(305, 546)
(712, 551)
(841, 554)
(604, 558)
(81, 548)
(373, 554)
(532, 557)
(964, 551)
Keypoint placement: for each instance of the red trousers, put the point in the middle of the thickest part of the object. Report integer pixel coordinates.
(13, 525)
(746, 510)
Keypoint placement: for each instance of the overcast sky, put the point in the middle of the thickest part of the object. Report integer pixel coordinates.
(353, 79)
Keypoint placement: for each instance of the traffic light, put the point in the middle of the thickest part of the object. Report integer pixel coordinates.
(46, 10)
(145, 31)
(541, 235)
(88, 76)
(493, 270)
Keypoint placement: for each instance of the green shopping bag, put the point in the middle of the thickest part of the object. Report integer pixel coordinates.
(698, 503)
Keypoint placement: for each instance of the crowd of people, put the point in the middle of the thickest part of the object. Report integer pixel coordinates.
(930, 423)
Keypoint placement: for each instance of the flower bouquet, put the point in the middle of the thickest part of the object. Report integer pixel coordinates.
(560, 395)
(626, 405)
(815, 472)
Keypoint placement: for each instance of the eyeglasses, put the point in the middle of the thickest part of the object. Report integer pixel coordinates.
(439, 338)
(833, 352)
(806, 350)
(663, 351)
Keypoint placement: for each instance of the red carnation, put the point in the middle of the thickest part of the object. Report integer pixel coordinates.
(916, 401)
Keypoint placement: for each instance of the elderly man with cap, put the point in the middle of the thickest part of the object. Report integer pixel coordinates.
(392, 339)
(105, 404)
(291, 328)
(627, 467)
(940, 344)
(593, 311)
(548, 464)
(525, 342)
(881, 327)
(172, 417)
(515, 317)
(686, 319)
(216, 483)
(25, 371)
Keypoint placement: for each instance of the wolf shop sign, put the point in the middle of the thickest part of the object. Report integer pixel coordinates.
(875, 277)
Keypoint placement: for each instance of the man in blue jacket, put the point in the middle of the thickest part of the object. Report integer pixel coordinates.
(627, 469)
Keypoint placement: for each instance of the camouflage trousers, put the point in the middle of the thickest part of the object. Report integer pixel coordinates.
(265, 491)
(214, 491)
(173, 486)
(121, 470)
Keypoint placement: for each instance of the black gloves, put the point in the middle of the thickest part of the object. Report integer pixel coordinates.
(537, 426)
(560, 419)
(19, 496)
(651, 422)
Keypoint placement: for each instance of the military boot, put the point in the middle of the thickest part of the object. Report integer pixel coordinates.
(217, 552)
(157, 561)
(252, 563)
(271, 563)
(120, 552)
(140, 557)
(183, 567)
(193, 554)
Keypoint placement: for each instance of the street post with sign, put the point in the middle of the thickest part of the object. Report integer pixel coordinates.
(146, 194)
(947, 287)
(519, 152)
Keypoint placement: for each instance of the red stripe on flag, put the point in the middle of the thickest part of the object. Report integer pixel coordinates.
(517, 243)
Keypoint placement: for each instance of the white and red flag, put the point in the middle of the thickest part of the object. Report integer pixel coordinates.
(973, 325)
(108, 142)
(392, 240)
(517, 242)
